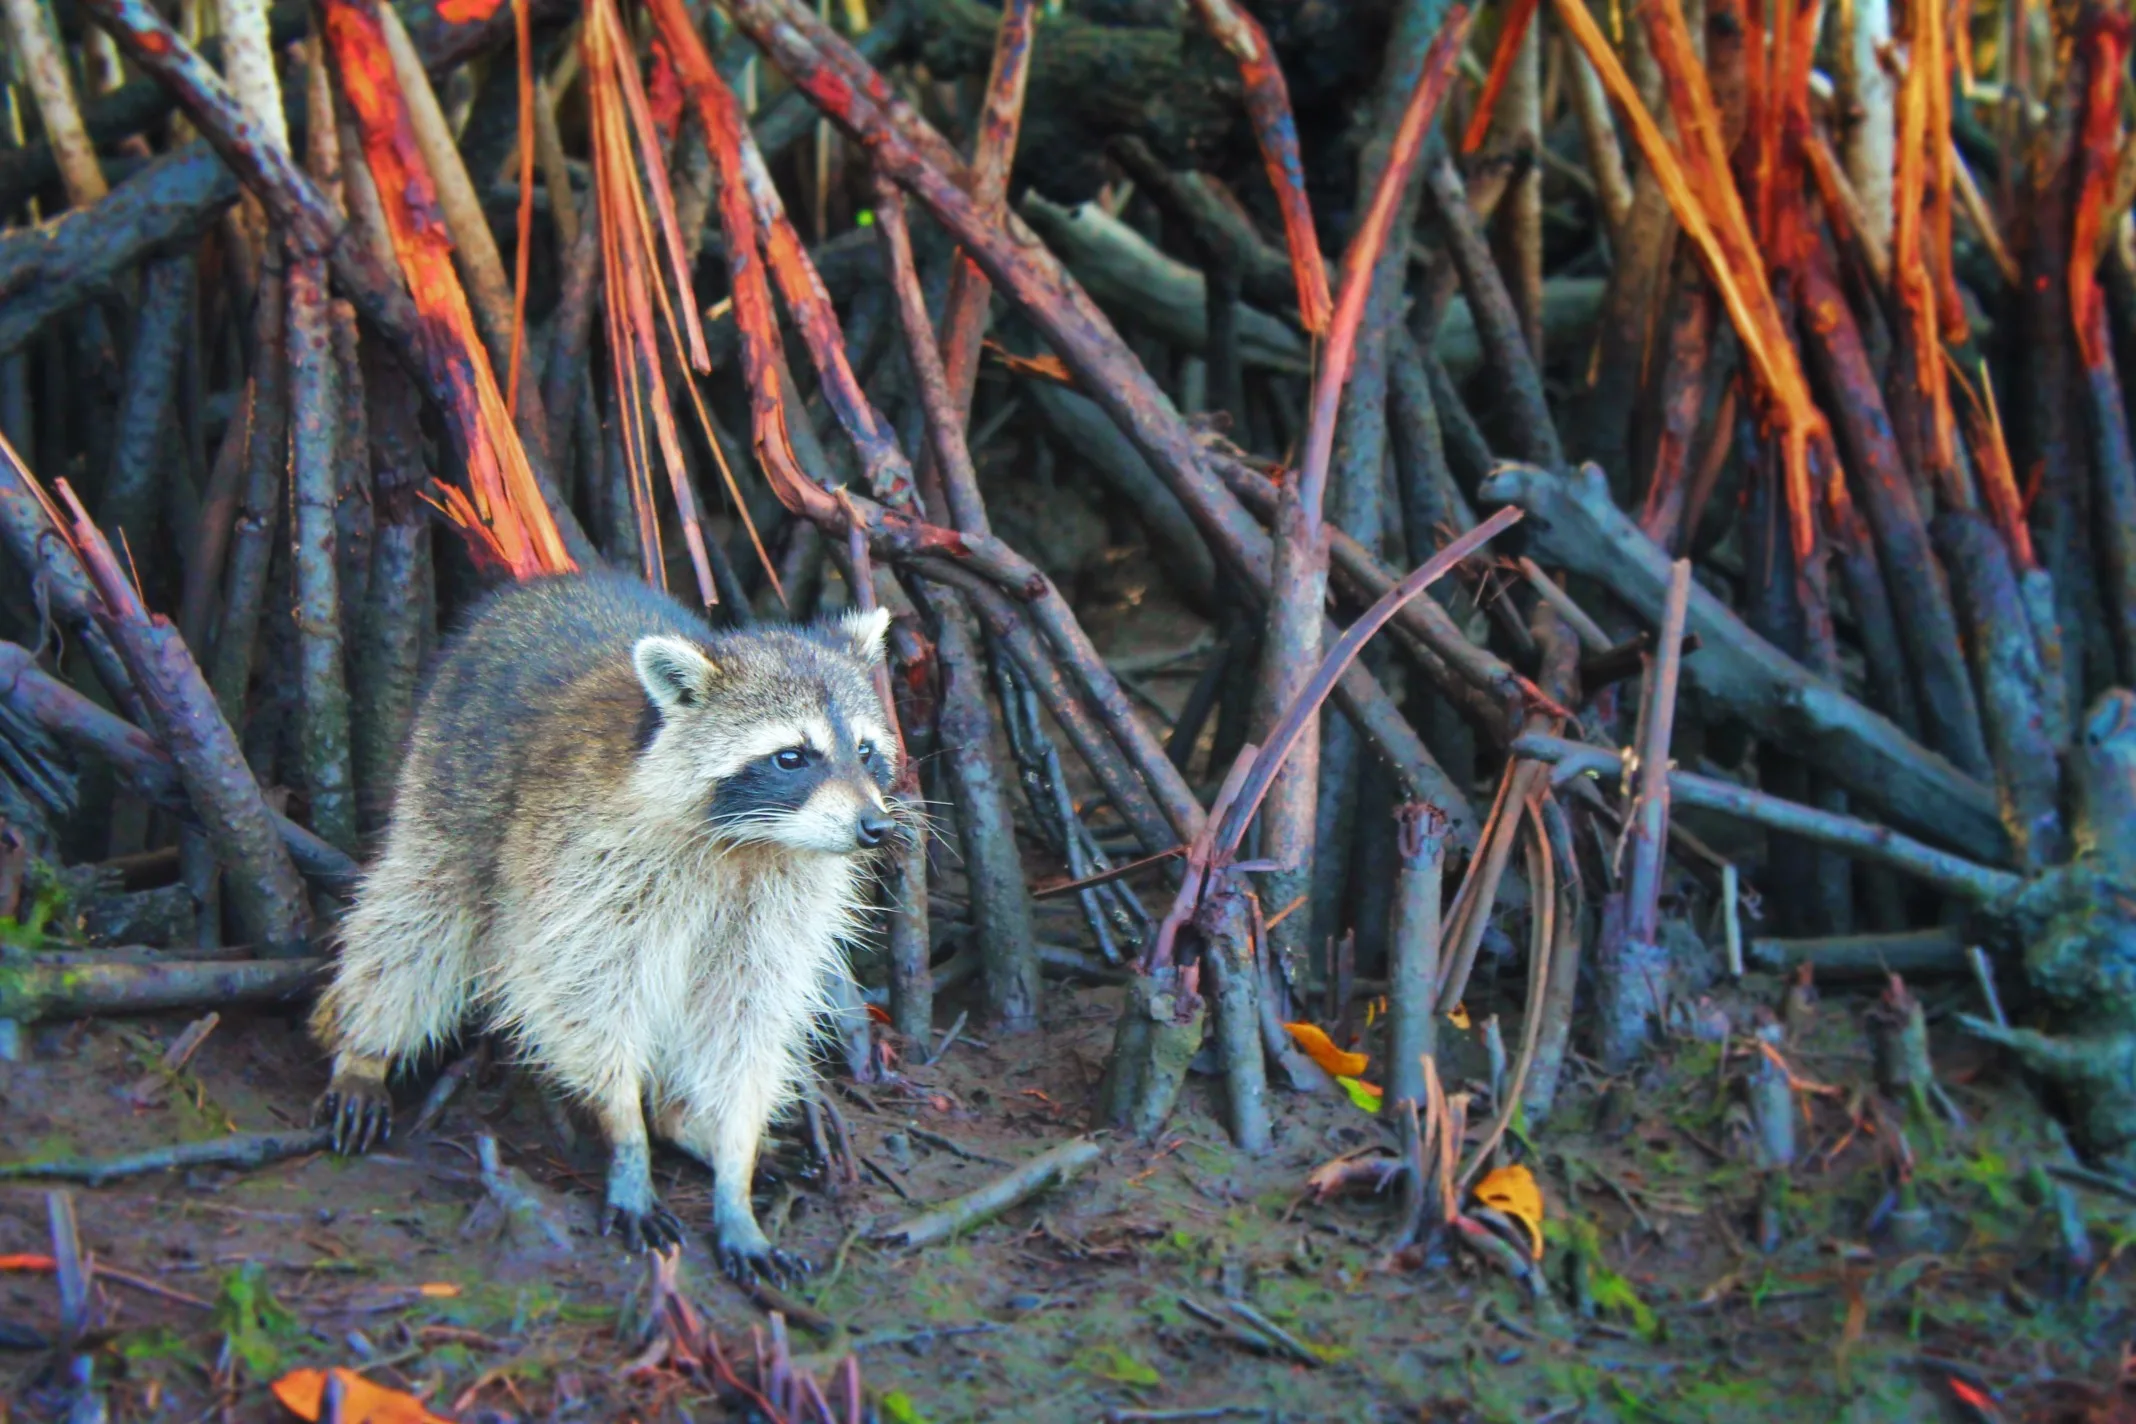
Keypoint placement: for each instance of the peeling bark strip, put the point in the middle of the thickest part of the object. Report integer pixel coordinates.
(630, 254)
(292, 199)
(1697, 182)
(1921, 280)
(1513, 23)
(503, 513)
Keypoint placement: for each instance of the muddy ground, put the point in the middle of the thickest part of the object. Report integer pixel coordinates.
(1076, 1305)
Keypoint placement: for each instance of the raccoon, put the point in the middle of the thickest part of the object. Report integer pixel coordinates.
(633, 846)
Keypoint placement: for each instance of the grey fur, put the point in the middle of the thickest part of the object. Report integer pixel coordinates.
(574, 860)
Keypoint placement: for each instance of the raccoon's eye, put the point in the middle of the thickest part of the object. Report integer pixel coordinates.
(866, 750)
(792, 759)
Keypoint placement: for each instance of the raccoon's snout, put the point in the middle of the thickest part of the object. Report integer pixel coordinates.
(873, 828)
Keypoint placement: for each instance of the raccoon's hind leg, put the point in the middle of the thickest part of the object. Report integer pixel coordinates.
(401, 985)
(723, 1131)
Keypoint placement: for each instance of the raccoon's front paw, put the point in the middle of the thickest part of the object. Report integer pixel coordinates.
(748, 1257)
(654, 1229)
(358, 1109)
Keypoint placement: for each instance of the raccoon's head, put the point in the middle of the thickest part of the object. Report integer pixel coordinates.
(774, 736)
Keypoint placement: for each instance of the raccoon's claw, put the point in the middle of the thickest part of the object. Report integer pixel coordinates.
(360, 1114)
(745, 1265)
(653, 1230)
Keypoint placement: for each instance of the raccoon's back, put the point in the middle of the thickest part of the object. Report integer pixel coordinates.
(537, 683)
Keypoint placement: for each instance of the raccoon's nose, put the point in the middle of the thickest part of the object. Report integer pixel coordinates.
(872, 829)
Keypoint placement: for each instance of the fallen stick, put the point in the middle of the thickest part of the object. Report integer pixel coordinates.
(1254, 1330)
(98, 1270)
(30, 991)
(997, 1196)
(242, 1151)
(148, 1090)
(1978, 884)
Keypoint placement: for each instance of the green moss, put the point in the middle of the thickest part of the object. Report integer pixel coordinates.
(898, 1408)
(256, 1327)
(1610, 1292)
(1111, 1362)
(160, 1343)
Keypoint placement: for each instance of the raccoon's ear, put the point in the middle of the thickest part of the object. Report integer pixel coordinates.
(867, 632)
(675, 671)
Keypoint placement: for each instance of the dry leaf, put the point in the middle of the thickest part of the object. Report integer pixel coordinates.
(1512, 1190)
(1459, 1017)
(1316, 1045)
(303, 1392)
(438, 1290)
(1043, 368)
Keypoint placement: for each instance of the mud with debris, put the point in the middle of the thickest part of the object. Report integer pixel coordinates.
(1099, 1295)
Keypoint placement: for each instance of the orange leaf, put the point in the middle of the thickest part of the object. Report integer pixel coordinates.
(878, 1014)
(1512, 1190)
(1459, 1018)
(1043, 368)
(28, 1261)
(467, 12)
(438, 1290)
(1316, 1045)
(303, 1393)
